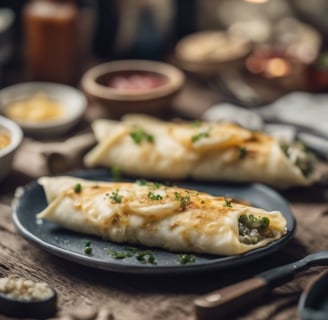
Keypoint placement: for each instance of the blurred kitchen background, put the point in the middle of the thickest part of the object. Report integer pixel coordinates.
(58, 40)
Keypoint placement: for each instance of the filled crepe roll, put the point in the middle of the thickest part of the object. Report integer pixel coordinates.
(156, 215)
(143, 146)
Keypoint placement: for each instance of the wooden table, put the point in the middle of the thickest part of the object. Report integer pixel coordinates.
(86, 293)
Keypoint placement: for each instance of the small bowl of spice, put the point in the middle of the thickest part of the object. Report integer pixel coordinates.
(133, 86)
(11, 137)
(43, 109)
(24, 298)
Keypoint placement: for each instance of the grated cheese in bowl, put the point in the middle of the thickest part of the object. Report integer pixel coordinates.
(24, 289)
(24, 298)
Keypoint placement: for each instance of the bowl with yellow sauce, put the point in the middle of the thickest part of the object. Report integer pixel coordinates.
(11, 137)
(43, 109)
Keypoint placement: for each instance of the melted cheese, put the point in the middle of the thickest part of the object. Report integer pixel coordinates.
(208, 137)
(172, 218)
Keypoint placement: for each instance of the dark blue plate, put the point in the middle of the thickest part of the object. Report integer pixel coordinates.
(69, 245)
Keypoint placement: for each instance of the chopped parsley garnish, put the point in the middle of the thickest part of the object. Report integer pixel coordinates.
(184, 200)
(146, 257)
(87, 250)
(242, 152)
(227, 203)
(185, 258)
(201, 135)
(78, 188)
(119, 254)
(87, 247)
(152, 185)
(115, 197)
(153, 196)
(139, 135)
(142, 256)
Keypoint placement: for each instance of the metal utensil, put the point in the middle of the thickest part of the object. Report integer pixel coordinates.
(221, 303)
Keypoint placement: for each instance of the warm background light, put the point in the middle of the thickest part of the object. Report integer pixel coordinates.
(256, 1)
(277, 67)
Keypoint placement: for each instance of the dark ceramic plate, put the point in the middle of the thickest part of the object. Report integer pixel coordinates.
(30, 200)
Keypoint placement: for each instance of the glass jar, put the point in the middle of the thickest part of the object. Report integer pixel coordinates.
(51, 41)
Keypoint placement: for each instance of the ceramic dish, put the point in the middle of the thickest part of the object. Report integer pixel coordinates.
(70, 245)
(72, 101)
(133, 86)
(206, 53)
(7, 153)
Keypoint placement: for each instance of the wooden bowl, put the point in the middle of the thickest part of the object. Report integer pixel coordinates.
(133, 86)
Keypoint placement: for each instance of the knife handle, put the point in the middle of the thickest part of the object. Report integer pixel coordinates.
(221, 303)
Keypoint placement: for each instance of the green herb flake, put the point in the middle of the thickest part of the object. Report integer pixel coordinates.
(185, 258)
(184, 200)
(118, 254)
(115, 197)
(146, 257)
(87, 246)
(151, 185)
(139, 135)
(198, 136)
(87, 250)
(242, 152)
(153, 196)
(128, 252)
(131, 250)
(227, 203)
(87, 243)
(78, 188)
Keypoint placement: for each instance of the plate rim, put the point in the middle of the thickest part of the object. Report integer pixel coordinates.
(115, 266)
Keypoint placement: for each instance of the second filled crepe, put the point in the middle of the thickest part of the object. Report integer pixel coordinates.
(143, 146)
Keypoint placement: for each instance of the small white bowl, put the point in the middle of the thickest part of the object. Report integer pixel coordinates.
(73, 101)
(7, 153)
